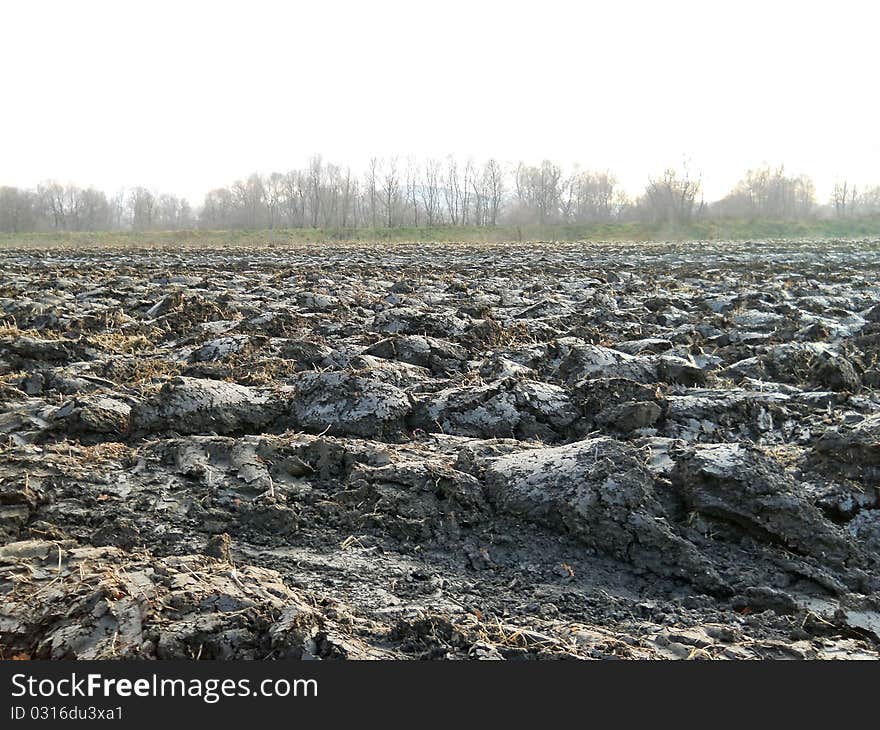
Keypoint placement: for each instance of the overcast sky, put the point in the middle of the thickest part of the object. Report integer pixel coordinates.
(186, 96)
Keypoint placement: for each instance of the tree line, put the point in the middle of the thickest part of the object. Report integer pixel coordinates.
(56, 207)
(392, 192)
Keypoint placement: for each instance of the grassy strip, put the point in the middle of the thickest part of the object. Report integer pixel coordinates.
(697, 231)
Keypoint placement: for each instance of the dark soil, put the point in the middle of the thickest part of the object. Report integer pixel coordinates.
(441, 452)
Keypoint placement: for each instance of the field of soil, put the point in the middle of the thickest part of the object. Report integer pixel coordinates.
(441, 451)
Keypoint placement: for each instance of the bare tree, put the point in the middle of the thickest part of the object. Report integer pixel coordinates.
(430, 191)
(465, 189)
(590, 197)
(316, 176)
(372, 189)
(493, 182)
(538, 191)
(348, 194)
(844, 199)
(330, 193)
(867, 203)
(217, 210)
(412, 187)
(53, 199)
(671, 197)
(452, 191)
(250, 195)
(294, 198)
(141, 207)
(390, 190)
(18, 210)
(770, 194)
(273, 195)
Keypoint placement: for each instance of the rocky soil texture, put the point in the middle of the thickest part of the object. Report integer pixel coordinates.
(441, 451)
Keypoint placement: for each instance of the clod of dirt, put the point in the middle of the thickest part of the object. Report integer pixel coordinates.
(601, 492)
(412, 321)
(738, 484)
(439, 356)
(416, 500)
(195, 405)
(65, 602)
(811, 364)
(341, 403)
(853, 452)
(95, 414)
(509, 408)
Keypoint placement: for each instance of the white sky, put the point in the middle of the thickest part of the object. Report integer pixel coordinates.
(186, 96)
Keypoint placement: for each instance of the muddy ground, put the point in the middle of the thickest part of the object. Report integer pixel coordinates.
(436, 451)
